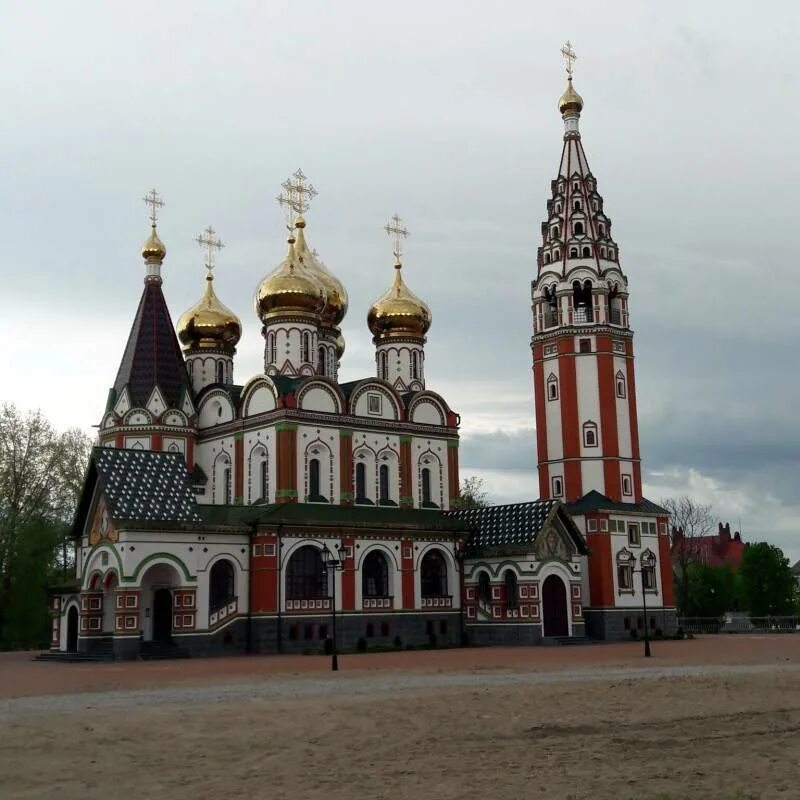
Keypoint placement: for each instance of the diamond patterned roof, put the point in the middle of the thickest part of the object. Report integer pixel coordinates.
(145, 485)
(504, 526)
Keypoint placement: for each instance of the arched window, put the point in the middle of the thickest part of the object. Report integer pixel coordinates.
(227, 484)
(220, 372)
(414, 365)
(601, 228)
(558, 487)
(425, 476)
(221, 585)
(620, 378)
(321, 362)
(576, 205)
(383, 484)
(602, 252)
(433, 575)
(510, 581)
(314, 494)
(306, 575)
(554, 232)
(190, 369)
(305, 349)
(383, 371)
(547, 258)
(573, 252)
(272, 351)
(375, 575)
(484, 588)
(263, 479)
(587, 253)
(552, 387)
(361, 482)
(589, 434)
(579, 228)
(610, 254)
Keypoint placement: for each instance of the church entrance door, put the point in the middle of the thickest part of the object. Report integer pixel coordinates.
(162, 615)
(554, 607)
(72, 630)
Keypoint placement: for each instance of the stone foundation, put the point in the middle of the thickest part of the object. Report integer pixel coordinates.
(617, 623)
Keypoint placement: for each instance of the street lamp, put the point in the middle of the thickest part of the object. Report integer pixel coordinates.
(333, 563)
(644, 611)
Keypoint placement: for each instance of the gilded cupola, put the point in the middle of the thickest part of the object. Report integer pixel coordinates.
(290, 289)
(398, 313)
(336, 299)
(209, 324)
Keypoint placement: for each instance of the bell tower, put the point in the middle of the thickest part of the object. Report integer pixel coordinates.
(586, 424)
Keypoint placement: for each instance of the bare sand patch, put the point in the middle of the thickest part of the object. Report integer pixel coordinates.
(612, 733)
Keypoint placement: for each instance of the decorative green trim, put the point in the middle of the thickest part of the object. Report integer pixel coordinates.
(285, 426)
(90, 555)
(169, 557)
(405, 438)
(238, 436)
(238, 500)
(407, 502)
(345, 433)
(346, 496)
(453, 443)
(286, 493)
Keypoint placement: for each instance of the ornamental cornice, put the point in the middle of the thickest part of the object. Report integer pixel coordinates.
(586, 330)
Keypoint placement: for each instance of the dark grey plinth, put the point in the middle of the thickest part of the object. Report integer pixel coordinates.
(617, 623)
(503, 633)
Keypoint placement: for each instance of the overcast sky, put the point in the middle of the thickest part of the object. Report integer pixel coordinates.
(446, 113)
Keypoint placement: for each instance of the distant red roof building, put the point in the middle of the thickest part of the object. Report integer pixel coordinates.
(716, 551)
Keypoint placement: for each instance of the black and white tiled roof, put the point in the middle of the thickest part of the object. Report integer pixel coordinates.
(145, 485)
(504, 526)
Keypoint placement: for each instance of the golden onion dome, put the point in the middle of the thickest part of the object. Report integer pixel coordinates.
(289, 288)
(336, 295)
(399, 312)
(153, 249)
(339, 346)
(208, 323)
(570, 101)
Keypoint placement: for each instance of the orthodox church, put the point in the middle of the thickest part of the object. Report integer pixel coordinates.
(256, 517)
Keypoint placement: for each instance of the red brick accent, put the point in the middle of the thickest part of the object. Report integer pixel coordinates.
(634, 422)
(238, 469)
(607, 385)
(349, 576)
(601, 579)
(287, 465)
(406, 484)
(452, 473)
(346, 477)
(570, 428)
(407, 572)
(539, 397)
(665, 563)
(264, 573)
(156, 441)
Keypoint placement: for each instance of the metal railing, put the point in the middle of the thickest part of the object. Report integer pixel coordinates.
(550, 319)
(739, 623)
(583, 314)
(615, 316)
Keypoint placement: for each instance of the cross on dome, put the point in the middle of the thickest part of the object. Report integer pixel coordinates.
(207, 240)
(395, 228)
(568, 53)
(299, 192)
(155, 202)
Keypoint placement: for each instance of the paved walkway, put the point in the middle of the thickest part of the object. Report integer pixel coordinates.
(22, 677)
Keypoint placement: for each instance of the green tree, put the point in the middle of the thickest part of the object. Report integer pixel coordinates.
(473, 493)
(768, 586)
(41, 472)
(711, 590)
(689, 521)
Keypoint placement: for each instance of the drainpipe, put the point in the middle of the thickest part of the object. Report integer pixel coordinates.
(280, 587)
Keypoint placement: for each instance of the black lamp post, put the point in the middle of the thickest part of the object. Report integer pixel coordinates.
(644, 610)
(333, 563)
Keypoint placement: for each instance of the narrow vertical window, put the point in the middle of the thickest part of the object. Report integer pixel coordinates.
(263, 480)
(227, 485)
(426, 486)
(220, 372)
(361, 482)
(321, 362)
(383, 480)
(313, 479)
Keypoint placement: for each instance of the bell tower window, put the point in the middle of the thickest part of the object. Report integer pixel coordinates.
(220, 372)
(578, 228)
(590, 434)
(552, 387)
(558, 487)
(620, 378)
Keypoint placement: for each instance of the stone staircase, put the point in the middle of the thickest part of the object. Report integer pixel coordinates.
(99, 650)
(563, 641)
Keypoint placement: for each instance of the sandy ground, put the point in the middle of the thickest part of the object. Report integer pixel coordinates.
(717, 718)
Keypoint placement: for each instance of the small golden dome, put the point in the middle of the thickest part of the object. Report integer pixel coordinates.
(208, 323)
(290, 288)
(399, 312)
(335, 293)
(153, 249)
(339, 346)
(570, 101)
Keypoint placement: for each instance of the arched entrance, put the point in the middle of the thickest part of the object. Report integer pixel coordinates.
(554, 607)
(72, 629)
(162, 615)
